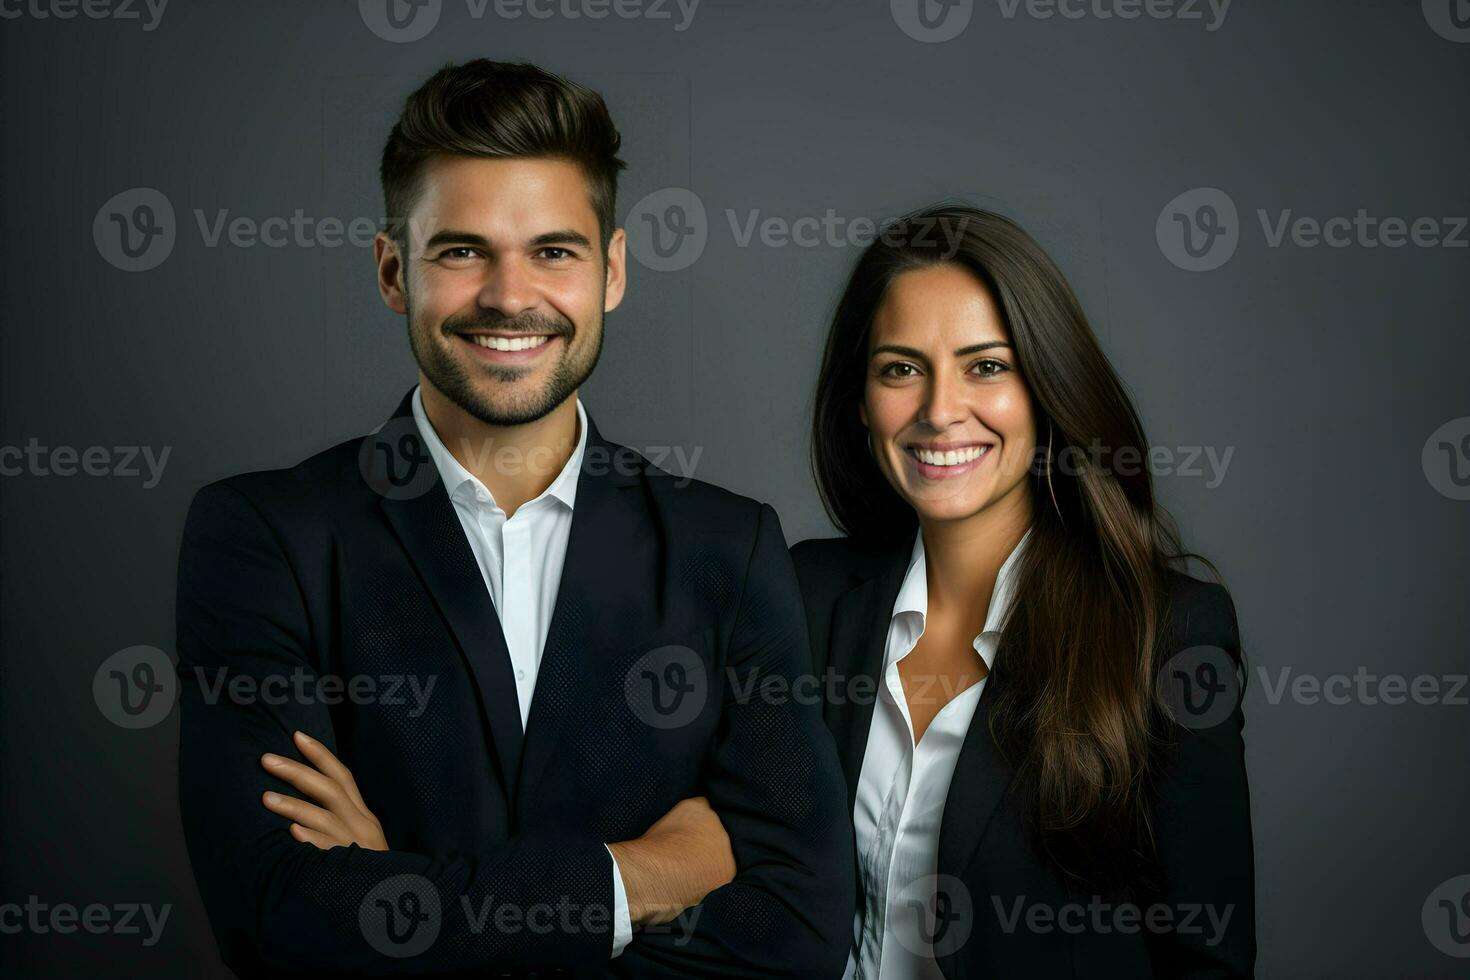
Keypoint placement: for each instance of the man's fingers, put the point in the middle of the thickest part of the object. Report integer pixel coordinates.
(320, 756)
(306, 814)
(330, 811)
(315, 785)
(323, 841)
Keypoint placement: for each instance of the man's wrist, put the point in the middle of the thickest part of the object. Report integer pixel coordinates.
(633, 866)
(622, 917)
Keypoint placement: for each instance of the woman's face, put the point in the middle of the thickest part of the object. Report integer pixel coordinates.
(948, 414)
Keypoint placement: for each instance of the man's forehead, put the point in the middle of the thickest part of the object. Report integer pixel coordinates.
(516, 188)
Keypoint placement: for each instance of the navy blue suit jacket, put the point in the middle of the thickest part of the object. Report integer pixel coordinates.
(352, 568)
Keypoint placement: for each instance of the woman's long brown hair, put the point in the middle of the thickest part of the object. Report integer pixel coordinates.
(1074, 707)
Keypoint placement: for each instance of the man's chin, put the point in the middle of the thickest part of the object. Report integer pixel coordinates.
(509, 403)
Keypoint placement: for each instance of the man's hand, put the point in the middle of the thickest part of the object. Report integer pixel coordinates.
(338, 816)
(679, 860)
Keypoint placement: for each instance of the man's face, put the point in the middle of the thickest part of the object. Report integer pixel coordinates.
(504, 283)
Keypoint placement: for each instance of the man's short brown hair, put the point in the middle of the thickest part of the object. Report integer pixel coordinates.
(488, 108)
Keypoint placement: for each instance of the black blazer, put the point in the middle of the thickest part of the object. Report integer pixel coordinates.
(1202, 819)
(290, 576)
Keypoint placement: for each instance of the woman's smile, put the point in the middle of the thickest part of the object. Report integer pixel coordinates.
(939, 461)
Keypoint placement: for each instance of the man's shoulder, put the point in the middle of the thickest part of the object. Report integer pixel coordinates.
(695, 504)
(324, 482)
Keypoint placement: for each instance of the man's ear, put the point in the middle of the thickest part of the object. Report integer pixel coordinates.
(617, 270)
(391, 270)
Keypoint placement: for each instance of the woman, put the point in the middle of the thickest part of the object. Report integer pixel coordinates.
(1083, 811)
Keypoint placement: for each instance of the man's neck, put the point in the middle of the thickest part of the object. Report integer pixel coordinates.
(516, 463)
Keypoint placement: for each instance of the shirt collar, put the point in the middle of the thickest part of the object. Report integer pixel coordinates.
(459, 481)
(913, 594)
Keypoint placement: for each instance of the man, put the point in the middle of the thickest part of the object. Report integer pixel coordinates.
(484, 692)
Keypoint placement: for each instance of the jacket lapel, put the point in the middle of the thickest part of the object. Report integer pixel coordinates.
(859, 636)
(981, 778)
(602, 595)
(858, 639)
(413, 498)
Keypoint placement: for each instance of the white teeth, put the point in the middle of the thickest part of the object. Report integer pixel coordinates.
(509, 343)
(951, 458)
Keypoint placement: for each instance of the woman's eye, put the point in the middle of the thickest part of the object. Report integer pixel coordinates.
(898, 369)
(990, 368)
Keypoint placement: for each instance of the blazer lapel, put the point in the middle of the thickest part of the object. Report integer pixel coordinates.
(858, 639)
(413, 498)
(981, 778)
(601, 597)
(859, 636)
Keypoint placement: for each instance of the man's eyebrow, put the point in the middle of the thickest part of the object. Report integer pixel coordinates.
(453, 236)
(563, 236)
(920, 355)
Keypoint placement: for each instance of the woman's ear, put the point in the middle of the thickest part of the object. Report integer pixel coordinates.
(863, 413)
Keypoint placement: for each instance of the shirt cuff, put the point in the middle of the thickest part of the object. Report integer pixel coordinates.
(622, 920)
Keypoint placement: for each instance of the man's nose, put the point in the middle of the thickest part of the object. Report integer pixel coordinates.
(508, 287)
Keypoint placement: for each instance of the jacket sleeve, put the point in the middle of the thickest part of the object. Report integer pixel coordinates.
(280, 905)
(1203, 828)
(774, 779)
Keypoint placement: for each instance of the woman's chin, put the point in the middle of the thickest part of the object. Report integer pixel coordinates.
(934, 508)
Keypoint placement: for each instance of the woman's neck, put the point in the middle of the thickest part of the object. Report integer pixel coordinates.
(963, 557)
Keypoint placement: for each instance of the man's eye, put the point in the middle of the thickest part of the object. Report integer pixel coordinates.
(459, 252)
(555, 253)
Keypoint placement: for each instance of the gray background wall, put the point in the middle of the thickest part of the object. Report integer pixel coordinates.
(1326, 371)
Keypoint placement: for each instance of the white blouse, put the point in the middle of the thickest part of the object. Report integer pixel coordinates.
(902, 789)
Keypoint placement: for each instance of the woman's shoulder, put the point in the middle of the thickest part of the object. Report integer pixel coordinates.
(830, 566)
(824, 553)
(842, 557)
(1201, 614)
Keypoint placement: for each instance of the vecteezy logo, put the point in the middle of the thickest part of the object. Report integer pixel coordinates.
(932, 21)
(135, 229)
(135, 687)
(943, 915)
(1446, 917)
(401, 915)
(667, 687)
(395, 462)
(1450, 19)
(1200, 687)
(1446, 459)
(400, 21)
(668, 229)
(1199, 230)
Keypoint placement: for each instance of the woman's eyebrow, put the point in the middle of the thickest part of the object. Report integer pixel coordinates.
(920, 355)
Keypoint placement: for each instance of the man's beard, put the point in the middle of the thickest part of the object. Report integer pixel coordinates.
(457, 384)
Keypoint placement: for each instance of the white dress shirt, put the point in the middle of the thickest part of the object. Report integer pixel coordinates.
(902, 788)
(521, 560)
